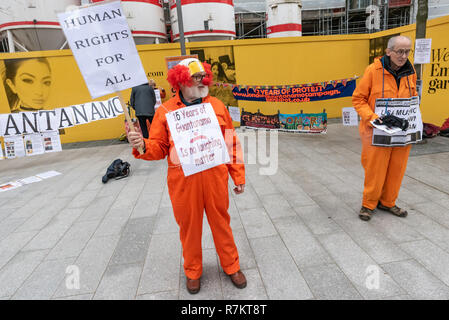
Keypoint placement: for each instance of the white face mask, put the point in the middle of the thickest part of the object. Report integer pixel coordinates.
(195, 92)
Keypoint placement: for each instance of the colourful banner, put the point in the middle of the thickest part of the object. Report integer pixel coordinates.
(296, 93)
(259, 120)
(303, 122)
(298, 122)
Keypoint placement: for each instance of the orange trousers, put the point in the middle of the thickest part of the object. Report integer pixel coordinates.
(384, 170)
(190, 197)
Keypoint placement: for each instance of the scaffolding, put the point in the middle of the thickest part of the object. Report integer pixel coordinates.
(250, 25)
(348, 19)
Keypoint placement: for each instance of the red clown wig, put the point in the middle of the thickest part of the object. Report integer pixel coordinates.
(182, 73)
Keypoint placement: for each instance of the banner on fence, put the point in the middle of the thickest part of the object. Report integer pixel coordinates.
(296, 93)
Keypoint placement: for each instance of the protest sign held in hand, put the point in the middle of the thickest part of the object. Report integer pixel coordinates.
(103, 47)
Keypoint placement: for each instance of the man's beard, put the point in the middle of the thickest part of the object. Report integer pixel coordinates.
(195, 92)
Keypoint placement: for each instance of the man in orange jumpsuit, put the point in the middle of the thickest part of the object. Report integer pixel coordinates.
(391, 76)
(206, 190)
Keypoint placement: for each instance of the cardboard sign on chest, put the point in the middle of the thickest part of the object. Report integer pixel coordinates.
(197, 137)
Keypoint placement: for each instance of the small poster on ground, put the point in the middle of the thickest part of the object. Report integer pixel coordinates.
(48, 174)
(51, 141)
(33, 144)
(29, 180)
(9, 186)
(349, 117)
(2, 155)
(14, 147)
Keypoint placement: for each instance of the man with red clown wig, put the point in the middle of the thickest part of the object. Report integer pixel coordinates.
(207, 190)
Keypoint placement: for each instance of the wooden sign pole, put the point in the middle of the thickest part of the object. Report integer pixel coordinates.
(128, 118)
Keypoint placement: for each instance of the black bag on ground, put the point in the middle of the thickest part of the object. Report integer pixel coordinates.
(118, 170)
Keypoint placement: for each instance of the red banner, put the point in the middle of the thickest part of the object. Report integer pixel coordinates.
(399, 3)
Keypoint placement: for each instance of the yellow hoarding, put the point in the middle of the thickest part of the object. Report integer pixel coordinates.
(48, 80)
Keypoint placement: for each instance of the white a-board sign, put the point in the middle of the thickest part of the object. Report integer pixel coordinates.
(198, 139)
(103, 47)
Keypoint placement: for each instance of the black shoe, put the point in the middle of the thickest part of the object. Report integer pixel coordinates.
(365, 213)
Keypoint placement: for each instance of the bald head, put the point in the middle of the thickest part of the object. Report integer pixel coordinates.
(398, 40)
(398, 50)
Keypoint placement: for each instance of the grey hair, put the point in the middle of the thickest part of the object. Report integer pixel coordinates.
(392, 41)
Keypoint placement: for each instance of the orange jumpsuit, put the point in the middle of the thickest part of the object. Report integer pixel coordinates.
(206, 190)
(384, 166)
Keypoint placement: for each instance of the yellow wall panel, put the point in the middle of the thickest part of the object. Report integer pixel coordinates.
(264, 62)
(299, 62)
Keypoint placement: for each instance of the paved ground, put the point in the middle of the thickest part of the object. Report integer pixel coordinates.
(297, 231)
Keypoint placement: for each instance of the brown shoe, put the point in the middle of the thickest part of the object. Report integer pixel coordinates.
(193, 285)
(238, 279)
(394, 210)
(365, 213)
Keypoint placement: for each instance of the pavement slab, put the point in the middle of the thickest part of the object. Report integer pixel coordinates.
(296, 226)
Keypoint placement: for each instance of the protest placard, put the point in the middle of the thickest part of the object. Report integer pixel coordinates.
(104, 49)
(198, 139)
(405, 108)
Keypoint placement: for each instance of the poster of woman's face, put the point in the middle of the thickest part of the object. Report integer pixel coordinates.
(222, 65)
(27, 83)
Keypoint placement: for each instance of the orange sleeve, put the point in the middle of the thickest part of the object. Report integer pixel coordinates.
(236, 167)
(361, 95)
(415, 77)
(157, 145)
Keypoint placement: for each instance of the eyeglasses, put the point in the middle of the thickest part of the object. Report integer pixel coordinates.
(401, 52)
(198, 77)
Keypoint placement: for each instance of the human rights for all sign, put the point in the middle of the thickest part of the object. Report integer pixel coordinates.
(405, 108)
(198, 139)
(103, 47)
